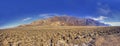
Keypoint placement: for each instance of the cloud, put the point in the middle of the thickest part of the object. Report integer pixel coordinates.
(104, 11)
(100, 18)
(13, 25)
(113, 23)
(47, 15)
(5, 27)
(26, 19)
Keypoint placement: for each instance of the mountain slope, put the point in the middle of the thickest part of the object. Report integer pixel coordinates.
(66, 21)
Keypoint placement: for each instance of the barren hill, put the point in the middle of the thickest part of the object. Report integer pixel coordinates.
(66, 21)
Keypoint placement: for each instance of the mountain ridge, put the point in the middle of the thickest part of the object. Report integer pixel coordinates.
(66, 21)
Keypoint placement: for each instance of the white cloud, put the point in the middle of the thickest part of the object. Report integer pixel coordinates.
(5, 27)
(113, 23)
(44, 15)
(47, 15)
(104, 11)
(15, 24)
(100, 18)
(10, 26)
(26, 19)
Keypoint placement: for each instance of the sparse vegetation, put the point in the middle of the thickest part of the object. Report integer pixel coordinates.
(60, 36)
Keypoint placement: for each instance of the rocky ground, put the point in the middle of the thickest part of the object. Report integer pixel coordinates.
(60, 36)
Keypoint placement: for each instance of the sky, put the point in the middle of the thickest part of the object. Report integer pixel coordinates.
(17, 12)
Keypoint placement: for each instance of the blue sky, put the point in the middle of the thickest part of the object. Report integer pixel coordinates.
(16, 12)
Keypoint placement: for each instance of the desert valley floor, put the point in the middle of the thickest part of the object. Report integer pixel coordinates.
(60, 36)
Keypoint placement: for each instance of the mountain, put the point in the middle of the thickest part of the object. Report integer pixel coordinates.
(61, 31)
(66, 21)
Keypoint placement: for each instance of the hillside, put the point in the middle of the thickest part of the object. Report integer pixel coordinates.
(60, 36)
(66, 21)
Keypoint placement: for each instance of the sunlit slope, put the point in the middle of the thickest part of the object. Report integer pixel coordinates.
(60, 36)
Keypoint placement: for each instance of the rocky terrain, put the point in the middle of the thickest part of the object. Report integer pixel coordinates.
(60, 36)
(61, 31)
